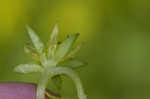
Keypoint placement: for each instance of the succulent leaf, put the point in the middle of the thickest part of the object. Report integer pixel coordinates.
(64, 48)
(28, 68)
(74, 63)
(36, 40)
(54, 35)
(53, 41)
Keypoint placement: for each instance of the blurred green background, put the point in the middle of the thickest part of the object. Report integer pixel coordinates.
(117, 36)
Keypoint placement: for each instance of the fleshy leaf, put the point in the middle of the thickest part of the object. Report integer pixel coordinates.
(53, 41)
(28, 68)
(74, 63)
(36, 40)
(54, 35)
(64, 47)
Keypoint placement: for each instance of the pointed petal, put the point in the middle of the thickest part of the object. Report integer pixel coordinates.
(36, 40)
(64, 47)
(28, 68)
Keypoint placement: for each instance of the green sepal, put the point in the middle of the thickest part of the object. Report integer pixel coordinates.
(28, 68)
(64, 48)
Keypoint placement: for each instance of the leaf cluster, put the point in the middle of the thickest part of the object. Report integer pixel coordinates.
(51, 55)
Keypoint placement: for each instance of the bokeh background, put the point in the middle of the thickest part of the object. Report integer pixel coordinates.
(116, 35)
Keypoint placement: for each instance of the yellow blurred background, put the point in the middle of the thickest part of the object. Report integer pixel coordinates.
(116, 33)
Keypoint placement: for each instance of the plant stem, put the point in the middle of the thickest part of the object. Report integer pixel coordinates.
(40, 94)
(49, 73)
(73, 76)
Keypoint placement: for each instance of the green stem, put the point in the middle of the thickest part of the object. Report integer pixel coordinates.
(59, 71)
(40, 94)
(69, 72)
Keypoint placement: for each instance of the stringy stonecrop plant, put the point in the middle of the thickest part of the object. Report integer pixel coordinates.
(53, 61)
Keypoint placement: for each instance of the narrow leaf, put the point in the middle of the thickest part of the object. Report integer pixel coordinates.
(54, 35)
(28, 68)
(74, 63)
(64, 48)
(53, 41)
(36, 40)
